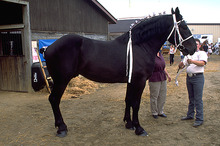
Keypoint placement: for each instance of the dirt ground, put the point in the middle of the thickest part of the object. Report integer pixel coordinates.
(96, 117)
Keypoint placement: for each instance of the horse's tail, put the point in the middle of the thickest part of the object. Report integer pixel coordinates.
(43, 50)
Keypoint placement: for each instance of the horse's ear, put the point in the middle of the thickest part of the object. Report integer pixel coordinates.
(178, 15)
(177, 11)
(172, 11)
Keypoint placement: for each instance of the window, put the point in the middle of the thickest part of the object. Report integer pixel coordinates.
(10, 13)
(10, 43)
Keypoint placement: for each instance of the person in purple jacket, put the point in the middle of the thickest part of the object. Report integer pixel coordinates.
(158, 87)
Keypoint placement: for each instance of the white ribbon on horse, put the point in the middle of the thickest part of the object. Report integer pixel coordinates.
(130, 55)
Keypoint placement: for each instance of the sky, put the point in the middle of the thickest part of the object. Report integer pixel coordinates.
(193, 11)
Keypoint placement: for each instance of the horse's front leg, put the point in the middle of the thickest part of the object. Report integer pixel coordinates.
(133, 98)
(54, 99)
(127, 117)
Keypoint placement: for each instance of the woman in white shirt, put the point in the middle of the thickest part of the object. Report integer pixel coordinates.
(172, 52)
(195, 82)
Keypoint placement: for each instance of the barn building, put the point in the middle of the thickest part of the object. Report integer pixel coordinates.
(24, 21)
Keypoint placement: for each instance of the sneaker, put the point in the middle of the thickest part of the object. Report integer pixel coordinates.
(155, 116)
(162, 115)
(197, 123)
(186, 118)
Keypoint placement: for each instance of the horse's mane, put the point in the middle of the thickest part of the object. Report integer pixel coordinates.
(147, 28)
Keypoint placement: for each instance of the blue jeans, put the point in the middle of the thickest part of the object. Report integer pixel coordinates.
(195, 86)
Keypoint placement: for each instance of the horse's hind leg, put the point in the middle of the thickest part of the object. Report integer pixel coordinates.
(54, 99)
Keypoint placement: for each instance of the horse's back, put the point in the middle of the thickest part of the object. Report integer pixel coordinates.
(103, 61)
(63, 43)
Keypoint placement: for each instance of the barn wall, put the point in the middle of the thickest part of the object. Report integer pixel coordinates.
(213, 29)
(66, 16)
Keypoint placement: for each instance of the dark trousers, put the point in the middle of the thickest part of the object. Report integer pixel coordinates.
(171, 59)
(195, 86)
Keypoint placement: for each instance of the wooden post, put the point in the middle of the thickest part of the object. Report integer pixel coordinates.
(42, 68)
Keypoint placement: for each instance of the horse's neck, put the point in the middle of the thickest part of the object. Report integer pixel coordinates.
(154, 33)
(151, 34)
(123, 38)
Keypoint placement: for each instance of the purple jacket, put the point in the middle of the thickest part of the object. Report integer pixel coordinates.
(158, 73)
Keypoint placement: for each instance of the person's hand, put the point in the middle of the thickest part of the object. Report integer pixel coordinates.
(190, 61)
(169, 78)
(181, 65)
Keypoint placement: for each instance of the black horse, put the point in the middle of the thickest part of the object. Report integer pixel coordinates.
(105, 61)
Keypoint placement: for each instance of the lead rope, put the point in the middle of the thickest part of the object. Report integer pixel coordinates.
(179, 72)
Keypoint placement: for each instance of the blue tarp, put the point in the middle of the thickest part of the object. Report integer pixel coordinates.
(45, 43)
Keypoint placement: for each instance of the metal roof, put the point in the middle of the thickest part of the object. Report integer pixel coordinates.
(108, 15)
(121, 26)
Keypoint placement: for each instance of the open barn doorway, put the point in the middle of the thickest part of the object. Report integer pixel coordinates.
(15, 50)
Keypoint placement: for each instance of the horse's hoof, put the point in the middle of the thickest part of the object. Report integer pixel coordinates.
(141, 132)
(144, 133)
(62, 134)
(129, 126)
(132, 128)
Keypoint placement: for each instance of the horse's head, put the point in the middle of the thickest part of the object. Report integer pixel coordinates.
(180, 35)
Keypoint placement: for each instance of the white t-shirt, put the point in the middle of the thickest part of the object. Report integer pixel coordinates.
(198, 56)
(172, 50)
